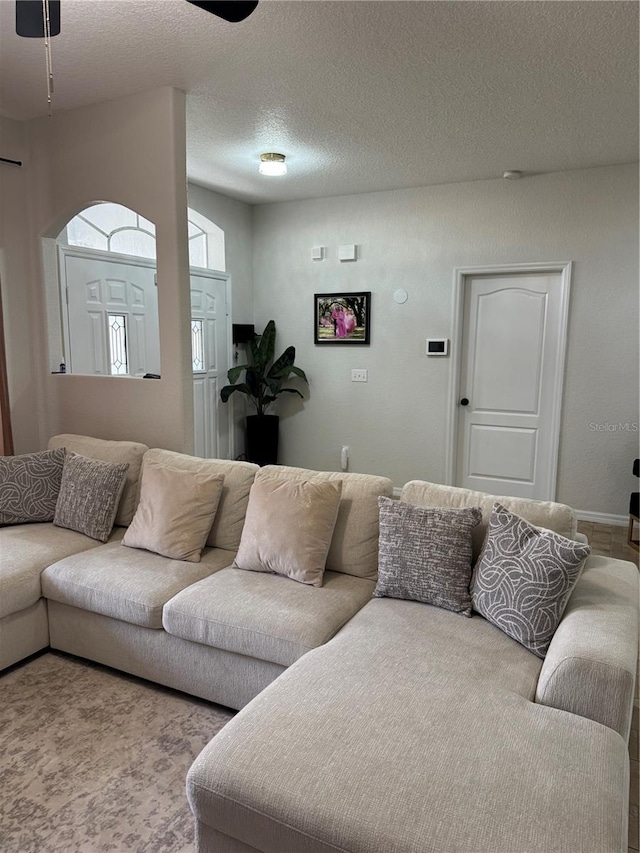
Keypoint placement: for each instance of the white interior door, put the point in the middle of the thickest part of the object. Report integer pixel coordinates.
(210, 344)
(112, 313)
(510, 390)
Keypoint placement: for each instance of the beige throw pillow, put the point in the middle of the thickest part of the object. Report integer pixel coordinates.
(175, 512)
(288, 528)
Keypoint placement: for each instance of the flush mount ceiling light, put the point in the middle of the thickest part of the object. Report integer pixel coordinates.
(272, 164)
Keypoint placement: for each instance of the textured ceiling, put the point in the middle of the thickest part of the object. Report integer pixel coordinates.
(361, 95)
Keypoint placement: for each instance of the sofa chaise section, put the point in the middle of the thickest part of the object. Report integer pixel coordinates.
(417, 729)
(412, 730)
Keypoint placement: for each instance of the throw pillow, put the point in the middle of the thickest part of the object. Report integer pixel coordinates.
(89, 495)
(288, 528)
(175, 513)
(524, 577)
(424, 554)
(29, 486)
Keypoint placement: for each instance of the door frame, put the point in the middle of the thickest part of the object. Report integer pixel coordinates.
(460, 274)
(205, 272)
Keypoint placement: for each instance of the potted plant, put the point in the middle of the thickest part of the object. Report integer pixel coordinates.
(262, 384)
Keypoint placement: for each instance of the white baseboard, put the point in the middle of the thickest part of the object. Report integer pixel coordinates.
(603, 518)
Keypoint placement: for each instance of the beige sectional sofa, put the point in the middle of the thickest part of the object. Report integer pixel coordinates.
(367, 725)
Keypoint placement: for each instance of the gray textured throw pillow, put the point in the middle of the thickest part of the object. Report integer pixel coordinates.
(29, 486)
(524, 577)
(424, 554)
(89, 495)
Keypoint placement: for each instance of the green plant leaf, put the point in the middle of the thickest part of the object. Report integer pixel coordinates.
(299, 372)
(253, 380)
(233, 374)
(267, 346)
(228, 390)
(285, 362)
(255, 351)
(274, 385)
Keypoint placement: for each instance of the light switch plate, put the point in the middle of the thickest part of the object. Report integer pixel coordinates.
(317, 253)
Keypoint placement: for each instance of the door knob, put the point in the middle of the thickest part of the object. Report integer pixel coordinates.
(464, 401)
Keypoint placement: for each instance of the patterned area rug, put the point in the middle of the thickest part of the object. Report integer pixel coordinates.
(94, 760)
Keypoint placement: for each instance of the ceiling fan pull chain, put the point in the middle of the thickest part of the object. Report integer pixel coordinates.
(47, 51)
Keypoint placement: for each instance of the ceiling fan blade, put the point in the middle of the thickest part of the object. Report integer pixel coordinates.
(230, 10)
(29, 20)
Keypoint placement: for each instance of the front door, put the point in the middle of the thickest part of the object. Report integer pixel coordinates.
(510, 390)
(112, 313)
(210, 352)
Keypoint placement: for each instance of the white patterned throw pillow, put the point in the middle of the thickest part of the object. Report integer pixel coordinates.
(524, 577)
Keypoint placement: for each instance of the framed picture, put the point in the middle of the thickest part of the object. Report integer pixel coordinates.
(342, 318)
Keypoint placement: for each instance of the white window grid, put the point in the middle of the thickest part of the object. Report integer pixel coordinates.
(82, 231)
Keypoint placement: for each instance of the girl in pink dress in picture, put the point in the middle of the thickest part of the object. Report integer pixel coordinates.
(349, 321)
(339, 316)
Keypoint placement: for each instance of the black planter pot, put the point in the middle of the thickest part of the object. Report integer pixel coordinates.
(262, 439)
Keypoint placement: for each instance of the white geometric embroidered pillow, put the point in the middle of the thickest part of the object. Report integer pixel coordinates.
(524, 577)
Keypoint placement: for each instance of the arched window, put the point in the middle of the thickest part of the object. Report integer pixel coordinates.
(111, 227)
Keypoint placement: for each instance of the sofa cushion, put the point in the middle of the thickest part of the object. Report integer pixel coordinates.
(130, 452)
(27, 549)
(524, 578)
(425, 554)
(29, 486)
(175, 512)
(288, 528)
(263, 615)
(412, 730)
(89, 495)
(553, 516)
(354, 545)
(126, 583)
(238, 479)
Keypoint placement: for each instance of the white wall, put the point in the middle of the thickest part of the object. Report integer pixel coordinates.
(130, 151)
(395, 424)
(19, 297)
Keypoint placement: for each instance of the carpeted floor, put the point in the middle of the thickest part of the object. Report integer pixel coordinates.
(93, 760)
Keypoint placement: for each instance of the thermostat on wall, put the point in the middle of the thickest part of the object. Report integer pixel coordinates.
(437, 346)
